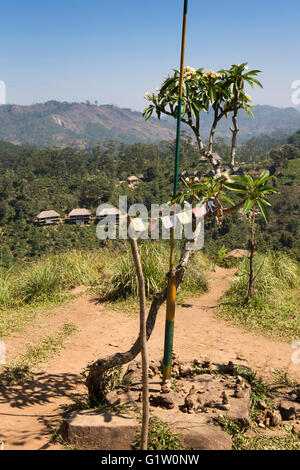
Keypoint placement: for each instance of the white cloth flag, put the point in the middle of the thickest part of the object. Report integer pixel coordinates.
(167, 221)
(138, 225)
(200, 211)
(185, 217)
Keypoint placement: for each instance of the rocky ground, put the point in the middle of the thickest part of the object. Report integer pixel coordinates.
(28, 411)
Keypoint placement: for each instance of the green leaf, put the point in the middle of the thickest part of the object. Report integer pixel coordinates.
(267, 189)
(262, 178)
(226, 198)
(264, 210)
(248, 205)
(235, 187)
(265, 200)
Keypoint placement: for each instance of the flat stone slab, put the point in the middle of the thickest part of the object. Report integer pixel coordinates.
(196, 436)
(91, 430)
(209, 386)
(94, 430)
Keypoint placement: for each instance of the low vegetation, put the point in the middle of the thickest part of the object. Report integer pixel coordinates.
(255, 438)
(274, 307)
(27, 292)
(160, 437)
(21, 368)
(155, 262)
(259, 440)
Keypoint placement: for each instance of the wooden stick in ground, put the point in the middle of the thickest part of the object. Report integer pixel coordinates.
(143, 336)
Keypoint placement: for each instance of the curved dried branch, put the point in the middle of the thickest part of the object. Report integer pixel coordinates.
(102, 365)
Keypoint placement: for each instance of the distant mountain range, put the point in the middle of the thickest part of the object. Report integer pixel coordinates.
(73, 124)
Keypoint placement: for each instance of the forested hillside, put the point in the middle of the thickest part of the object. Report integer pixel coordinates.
(83, 125)
(33, 180)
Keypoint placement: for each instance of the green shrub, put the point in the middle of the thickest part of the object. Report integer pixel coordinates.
(155, 263)
(41, 280)
(160, 437)
(155, 266)
(274, 306)
(276, 272)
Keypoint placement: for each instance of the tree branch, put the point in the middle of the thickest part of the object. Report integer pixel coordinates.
(143, 339)
(234, 131)
(102, 365)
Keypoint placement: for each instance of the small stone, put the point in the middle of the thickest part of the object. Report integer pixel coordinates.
(239, 392)
(178, 386)
(191, 401)
(296, 430)
(262, 405)
(261, 425)
(185, 370)
(139, 398)
(225, 398)
(210, 404)
(165, 401)
(166, 387)
(225, 406)
(231, 370)
(288, 413)
(275, 418)
(267, 421)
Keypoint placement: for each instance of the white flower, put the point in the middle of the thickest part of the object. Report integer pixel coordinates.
(246, 68)
(148, 95)
(190, 70)
(211, 74)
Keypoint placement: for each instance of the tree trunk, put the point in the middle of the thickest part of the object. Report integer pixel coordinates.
(234, 131)
(143, 337)
(251, 258)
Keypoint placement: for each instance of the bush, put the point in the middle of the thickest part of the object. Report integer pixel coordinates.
(273, 309)
(276, 272)
(124, 283)
(51, 275)
(155, 263)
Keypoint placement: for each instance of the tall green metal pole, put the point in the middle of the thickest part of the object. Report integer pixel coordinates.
(171, 297)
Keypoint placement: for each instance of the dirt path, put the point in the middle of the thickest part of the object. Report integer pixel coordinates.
(25, 412)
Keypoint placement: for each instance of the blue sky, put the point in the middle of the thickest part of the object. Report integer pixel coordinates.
(114, 51)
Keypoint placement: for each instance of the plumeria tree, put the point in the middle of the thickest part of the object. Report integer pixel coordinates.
(222, 93)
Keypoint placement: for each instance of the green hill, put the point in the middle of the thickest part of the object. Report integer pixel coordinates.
(82, 125)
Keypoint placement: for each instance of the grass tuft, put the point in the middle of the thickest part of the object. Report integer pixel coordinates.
(274, 307)
(19, 370)
(160, 437)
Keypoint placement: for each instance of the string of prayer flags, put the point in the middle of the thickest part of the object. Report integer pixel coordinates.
(200, 211)
(174, 220)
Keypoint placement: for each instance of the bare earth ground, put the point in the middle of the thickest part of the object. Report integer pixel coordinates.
(26, 412)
